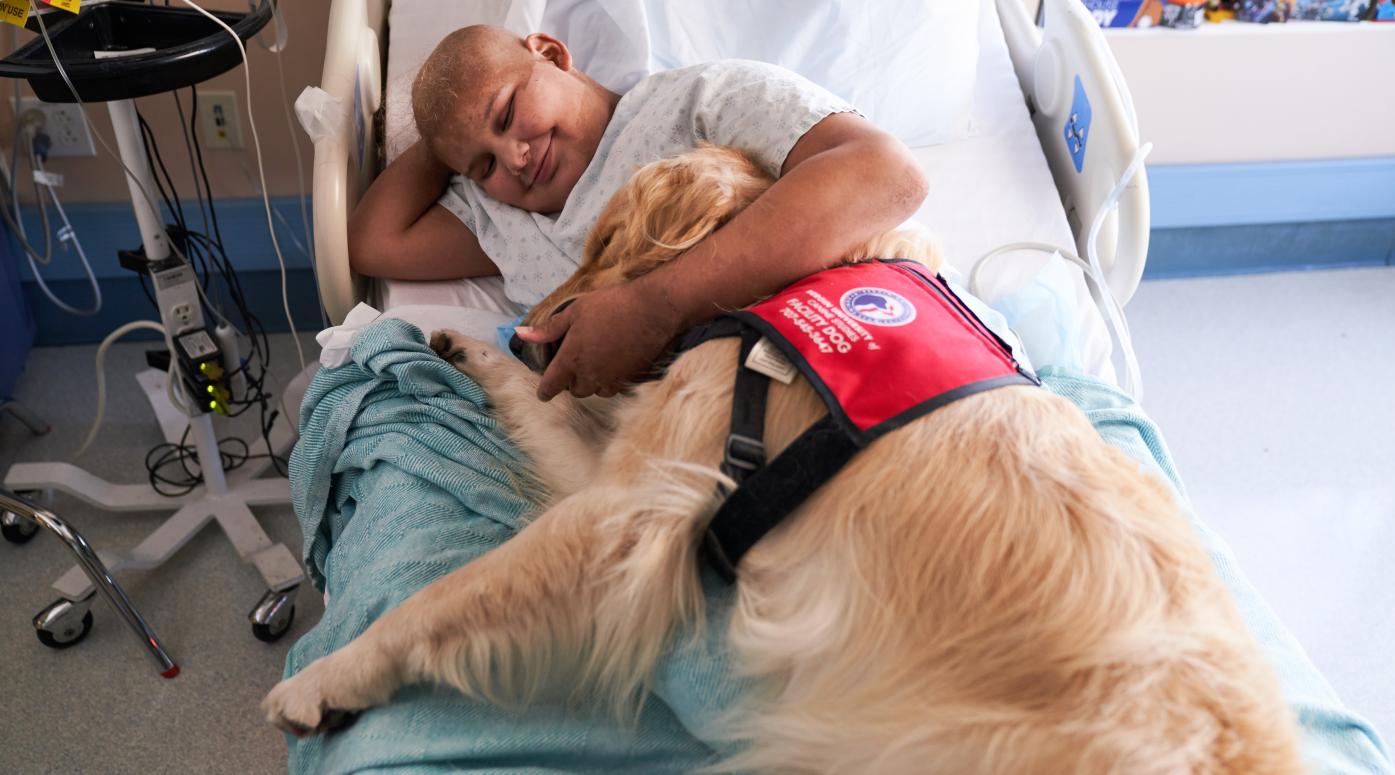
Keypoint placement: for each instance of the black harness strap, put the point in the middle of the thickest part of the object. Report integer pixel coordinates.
(715, 329)
(744, 452)
(765, 493)
(769, 495)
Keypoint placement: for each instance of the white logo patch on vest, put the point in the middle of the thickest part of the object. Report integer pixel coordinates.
(878, 306)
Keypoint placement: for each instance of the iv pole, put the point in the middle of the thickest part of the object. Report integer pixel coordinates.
(222, 497)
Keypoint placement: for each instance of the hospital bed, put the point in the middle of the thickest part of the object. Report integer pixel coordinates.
(996, 185)
(1045, 153)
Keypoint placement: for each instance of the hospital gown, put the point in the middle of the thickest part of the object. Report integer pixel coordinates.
(760, 108)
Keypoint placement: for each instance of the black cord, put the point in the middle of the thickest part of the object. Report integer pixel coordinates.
(173, 204)
(152, 155)
(183, 482)
(145, 289)
(203, 173)
(209, 252)
(189, 148)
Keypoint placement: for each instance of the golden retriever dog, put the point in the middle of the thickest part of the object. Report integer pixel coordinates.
(989, 589)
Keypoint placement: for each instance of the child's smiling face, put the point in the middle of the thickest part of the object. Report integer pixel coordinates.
(526, 124)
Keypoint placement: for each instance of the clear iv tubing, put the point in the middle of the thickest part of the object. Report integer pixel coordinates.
(1132, 380)
(15, 219)
(65, 233)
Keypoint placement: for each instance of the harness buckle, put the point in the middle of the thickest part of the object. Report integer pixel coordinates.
(744, 453)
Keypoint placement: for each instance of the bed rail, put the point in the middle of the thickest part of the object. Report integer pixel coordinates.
(1088, 130)
(347, 161)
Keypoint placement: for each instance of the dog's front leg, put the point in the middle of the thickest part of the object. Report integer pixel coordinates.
(494, 628)
(562, 437)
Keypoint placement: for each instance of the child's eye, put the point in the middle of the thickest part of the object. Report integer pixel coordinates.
(489, 168)
(508, 114)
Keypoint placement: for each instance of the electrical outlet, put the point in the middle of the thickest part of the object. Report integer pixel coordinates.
(222, 127)
(184, 313)
(64, 124)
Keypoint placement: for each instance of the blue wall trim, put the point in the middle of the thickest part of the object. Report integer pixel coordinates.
(1269, 247)
(105, 227)
(1189, 195)
(124, 302)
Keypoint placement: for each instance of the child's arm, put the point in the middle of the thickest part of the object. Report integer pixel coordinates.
(844, 182)
(398, 231)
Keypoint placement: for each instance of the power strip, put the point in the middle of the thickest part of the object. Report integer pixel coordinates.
(177, 295)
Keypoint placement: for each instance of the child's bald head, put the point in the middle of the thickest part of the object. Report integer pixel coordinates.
(464, 62)
(510, 113)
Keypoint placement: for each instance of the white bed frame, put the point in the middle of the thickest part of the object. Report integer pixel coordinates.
(1047, 62)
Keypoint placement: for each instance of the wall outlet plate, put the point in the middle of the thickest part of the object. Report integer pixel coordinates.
(64, 124)
(222, 126)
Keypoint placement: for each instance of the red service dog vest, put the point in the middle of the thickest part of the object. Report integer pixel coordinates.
(882, 342)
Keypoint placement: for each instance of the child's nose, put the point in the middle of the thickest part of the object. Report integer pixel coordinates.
(515, 157)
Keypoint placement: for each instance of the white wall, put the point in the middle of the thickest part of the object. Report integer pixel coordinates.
(1239, 92)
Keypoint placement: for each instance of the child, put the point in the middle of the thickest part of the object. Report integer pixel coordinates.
(533, 149)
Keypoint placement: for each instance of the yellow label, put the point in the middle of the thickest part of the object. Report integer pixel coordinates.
(71, 6)
(14, 12)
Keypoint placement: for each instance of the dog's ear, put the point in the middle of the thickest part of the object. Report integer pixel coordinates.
(666, 207)
(611, 219)
(681, 200)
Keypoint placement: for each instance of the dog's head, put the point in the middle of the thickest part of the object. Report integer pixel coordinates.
(667, 207)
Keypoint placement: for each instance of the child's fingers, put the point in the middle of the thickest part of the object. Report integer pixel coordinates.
(549, 330)
(556, 378)
(535, 335)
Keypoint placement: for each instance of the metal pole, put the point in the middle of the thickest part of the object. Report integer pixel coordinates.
(129, 142)
(96, 571)
(210, 460)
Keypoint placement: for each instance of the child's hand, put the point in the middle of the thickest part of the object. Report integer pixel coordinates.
(612, 336)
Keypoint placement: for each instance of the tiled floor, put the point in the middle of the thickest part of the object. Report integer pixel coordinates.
(1277, 397)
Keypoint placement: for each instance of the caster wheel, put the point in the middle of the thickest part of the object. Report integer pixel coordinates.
(273, 615)
(63, 624)
(16, 528)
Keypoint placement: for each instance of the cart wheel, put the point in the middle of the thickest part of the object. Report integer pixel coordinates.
(273, 615)
(63, 624)
(17, 528)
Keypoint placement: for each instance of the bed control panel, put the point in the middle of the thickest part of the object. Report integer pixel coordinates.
(1077, 126)
(1068, 71)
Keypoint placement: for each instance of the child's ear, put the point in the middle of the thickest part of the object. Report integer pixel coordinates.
(549, 48)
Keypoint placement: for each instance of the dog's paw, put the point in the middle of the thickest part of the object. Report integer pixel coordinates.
(478, 360)
(313, 702)
(447, 344)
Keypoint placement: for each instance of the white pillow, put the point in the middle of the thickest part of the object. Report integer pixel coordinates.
(909, 65)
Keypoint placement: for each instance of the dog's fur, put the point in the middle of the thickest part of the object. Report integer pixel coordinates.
(991, 588)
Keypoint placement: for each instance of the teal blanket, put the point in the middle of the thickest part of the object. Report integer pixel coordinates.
(405, 443)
